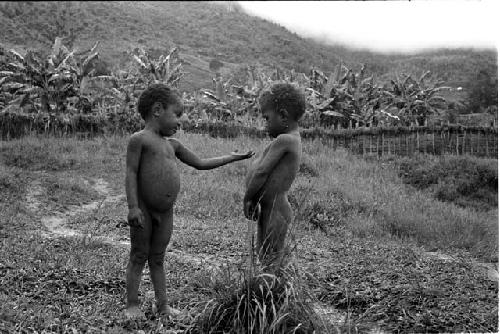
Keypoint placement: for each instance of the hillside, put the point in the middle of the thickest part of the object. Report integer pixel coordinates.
(204, 31)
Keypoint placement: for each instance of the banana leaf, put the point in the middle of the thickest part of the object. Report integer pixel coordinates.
(16, 55)
(91, 50)
(13, 85)
(325, 104)
(17, 66)
(139, 60)
(422, 78)
(86, 62)
(25, 100)
(333, 113)
(6, 73)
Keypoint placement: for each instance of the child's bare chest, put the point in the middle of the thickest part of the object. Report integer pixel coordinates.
(255, 164)
(260, 157)
(159, 179)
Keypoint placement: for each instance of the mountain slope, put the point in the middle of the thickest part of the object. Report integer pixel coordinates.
(204, 31)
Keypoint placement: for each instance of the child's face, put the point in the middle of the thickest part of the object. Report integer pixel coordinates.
(168, 119)
(275, 123)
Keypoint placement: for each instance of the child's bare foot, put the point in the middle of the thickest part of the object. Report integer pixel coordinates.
(166, 313)
(163, 313)
(134, 312)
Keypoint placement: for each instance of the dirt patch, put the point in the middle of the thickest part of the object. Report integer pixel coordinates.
(57, 224)
(489, 270)
(33, 192)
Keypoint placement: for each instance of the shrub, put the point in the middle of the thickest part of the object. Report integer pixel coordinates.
(464, 180)
(264, 303)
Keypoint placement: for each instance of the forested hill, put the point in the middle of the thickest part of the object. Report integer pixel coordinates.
(204, 31)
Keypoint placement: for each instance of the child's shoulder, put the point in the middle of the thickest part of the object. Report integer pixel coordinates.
(286, 142)
(142, 137)
(288, 139)
(137, 136)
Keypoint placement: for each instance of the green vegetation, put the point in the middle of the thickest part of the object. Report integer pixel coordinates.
(358, 243)
(205, 31)
(362, 229)
(65, 83)
(350, 87)
(466, 181)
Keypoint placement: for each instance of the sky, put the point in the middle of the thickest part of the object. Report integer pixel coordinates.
(388, 26)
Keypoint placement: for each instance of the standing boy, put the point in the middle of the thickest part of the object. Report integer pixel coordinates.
(271, 174)
(152, 184)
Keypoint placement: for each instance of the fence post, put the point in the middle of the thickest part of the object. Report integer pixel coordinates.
(418, 143)
(487, 149)
(406, 141)
(382, 143)
(363, 144)
(433, 143)
(388, 144)
(378, 138)
(370, 140)
(396, 142)
(425, 139)
(448, 140)
(463, 144)
(478, 139)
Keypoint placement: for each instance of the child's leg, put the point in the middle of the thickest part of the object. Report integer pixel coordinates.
(273, 224)
(139, 250)
(162, 231)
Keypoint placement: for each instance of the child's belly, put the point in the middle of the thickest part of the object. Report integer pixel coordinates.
(159, 184)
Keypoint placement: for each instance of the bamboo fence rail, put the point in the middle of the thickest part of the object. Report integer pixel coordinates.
(447, 139)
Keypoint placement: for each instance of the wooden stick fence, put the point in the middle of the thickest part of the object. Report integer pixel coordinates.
(448, 139)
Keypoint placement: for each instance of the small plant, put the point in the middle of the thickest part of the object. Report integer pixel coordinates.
(262, 303)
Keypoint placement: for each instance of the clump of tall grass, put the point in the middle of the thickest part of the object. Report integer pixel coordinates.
(260, 303)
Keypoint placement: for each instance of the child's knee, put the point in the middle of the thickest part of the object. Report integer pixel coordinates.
(156, 259)
(138, 257)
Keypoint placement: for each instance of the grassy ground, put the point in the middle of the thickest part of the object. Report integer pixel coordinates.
(360, 239)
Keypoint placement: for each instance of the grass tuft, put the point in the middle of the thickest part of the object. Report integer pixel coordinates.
(261, 303)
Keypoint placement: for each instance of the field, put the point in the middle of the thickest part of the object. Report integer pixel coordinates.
(379, 244)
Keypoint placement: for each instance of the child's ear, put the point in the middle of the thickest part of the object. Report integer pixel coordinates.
(283, 114)
(156, 109)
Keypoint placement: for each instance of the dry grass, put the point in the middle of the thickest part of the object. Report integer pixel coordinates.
(369, 197)
(336, 196)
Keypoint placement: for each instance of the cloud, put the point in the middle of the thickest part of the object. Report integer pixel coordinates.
(387, 25)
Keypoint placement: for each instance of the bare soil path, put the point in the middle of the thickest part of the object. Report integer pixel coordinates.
(59, 225)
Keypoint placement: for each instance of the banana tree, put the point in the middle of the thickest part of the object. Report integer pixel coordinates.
(51, 80)
(31, 78)
(414, 100)
(344, 96)
(166, 69)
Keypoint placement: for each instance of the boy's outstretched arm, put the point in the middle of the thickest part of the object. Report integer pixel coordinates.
(278, 148)
(134, 148)
(191, 159)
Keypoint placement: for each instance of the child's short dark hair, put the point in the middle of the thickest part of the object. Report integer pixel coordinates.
(156, 93)
(285, 96)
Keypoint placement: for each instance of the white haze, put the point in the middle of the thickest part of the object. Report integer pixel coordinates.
(387, 26)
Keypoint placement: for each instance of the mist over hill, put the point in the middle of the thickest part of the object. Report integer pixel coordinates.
(204, 31)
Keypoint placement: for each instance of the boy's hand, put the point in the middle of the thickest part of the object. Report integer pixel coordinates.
(135, 218)
(251, 210)
(242, 156)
